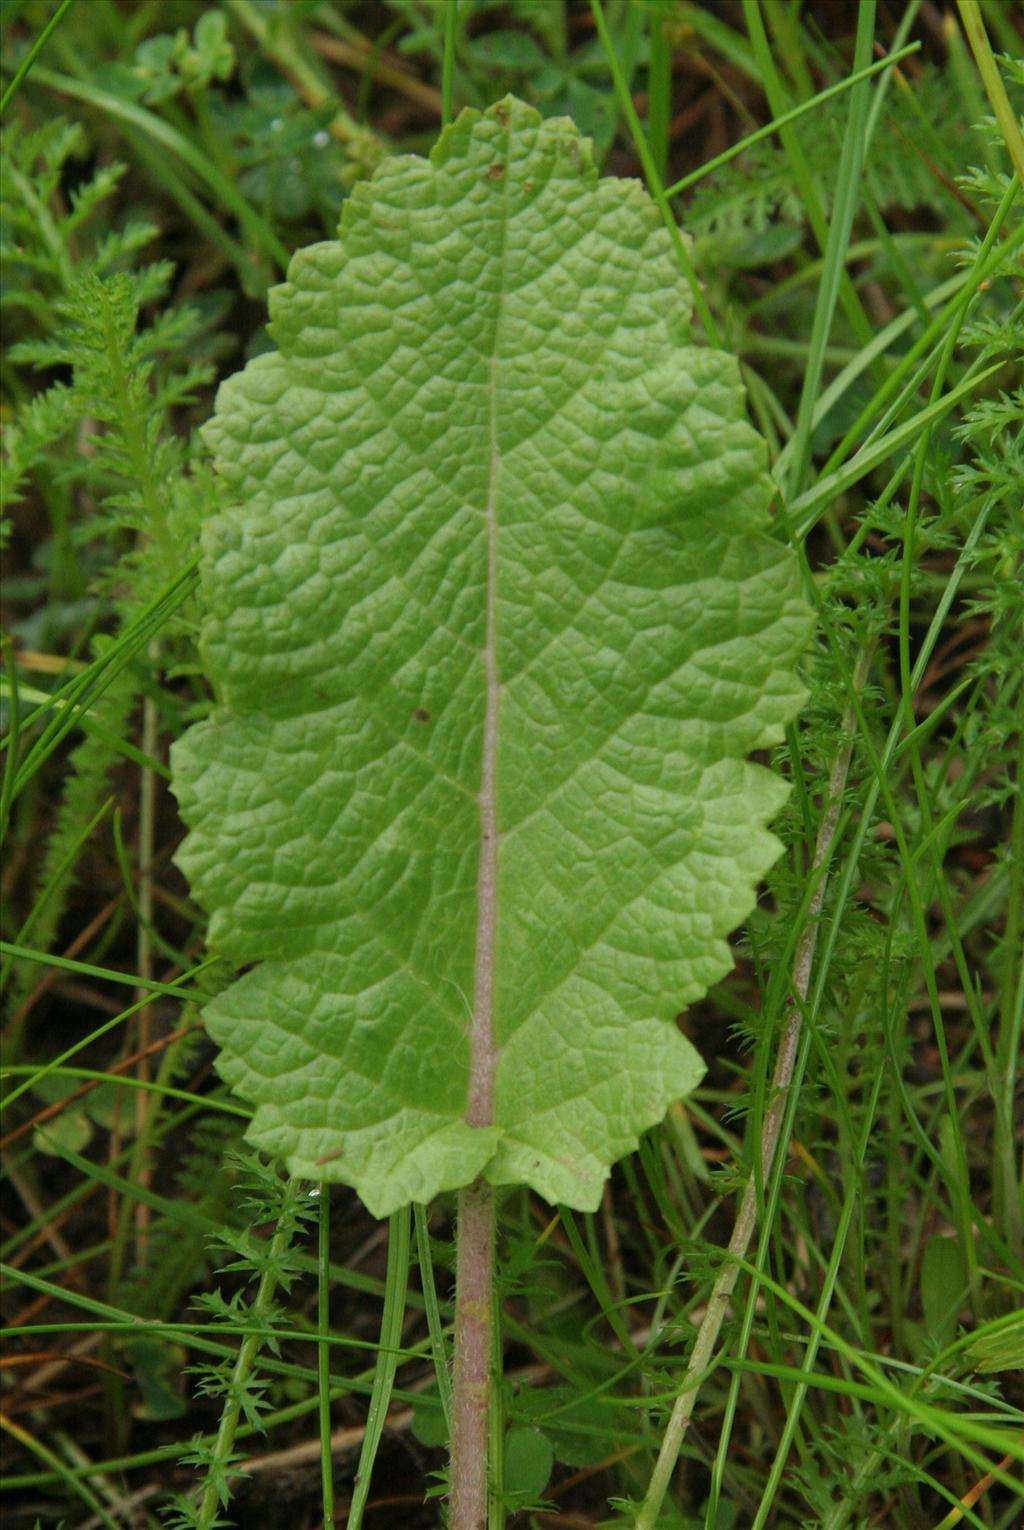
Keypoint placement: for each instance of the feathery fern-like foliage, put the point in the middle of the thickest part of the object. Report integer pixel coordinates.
(128, 382)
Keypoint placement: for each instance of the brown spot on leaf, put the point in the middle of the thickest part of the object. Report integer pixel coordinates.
(494, 173)
(421, 714)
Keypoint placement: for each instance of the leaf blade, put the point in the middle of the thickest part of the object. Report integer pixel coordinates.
(498, 576)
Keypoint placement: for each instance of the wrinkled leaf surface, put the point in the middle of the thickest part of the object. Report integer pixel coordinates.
(493, 625)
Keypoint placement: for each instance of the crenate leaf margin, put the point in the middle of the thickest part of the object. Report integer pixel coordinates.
(493, 622)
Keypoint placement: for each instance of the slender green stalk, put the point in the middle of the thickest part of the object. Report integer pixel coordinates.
(700, 1362)
(323, 1355)
(137, 1207)
(144, 944)
(60, 1469)
(844, 207)
(59, 871)
(778, 100)
(432, 1308)
(110, 1318)
(392, 1320)
(795, 1404)
(659, 95)
(168, 174)
(653, 179)
(12, 743)
(107, 974)
(956, 294)
(793, 115)
(87, 721)
(807, 507)
(962, 1433)
(127, 1081)
(923, 794)
(85, 690)
(974, 26)
(451, 24)
(1011, 1026)
(33, 53)
(768, 1218)
(174, 990)
(595, 1277)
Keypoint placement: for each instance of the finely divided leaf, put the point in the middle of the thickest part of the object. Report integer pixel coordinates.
(493, 625)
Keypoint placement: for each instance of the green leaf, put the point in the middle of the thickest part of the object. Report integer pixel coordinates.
(999, 1347)
(528, 1462)
(212, 56)
(580, 1424)
(428, 1421)
(71, 1129)
(157, 1366)
(493, 624)
(507, 50)
(944, 1286)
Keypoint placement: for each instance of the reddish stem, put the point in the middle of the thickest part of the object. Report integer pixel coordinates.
(474, 1279)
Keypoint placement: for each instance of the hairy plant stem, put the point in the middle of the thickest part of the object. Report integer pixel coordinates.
(699, 1364)
(474, 1284)
(474, 1274)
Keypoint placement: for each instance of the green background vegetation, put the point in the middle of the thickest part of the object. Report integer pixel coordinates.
(160, 162)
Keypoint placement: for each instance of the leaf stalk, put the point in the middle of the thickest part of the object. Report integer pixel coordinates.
(474, 1284)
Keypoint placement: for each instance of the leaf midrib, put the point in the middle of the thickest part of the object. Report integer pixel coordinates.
(483, 1052)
